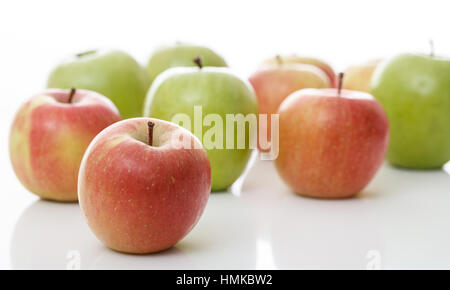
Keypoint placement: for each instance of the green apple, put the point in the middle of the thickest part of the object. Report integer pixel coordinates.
(181, 55)
(112, 73)
(415, 92)
(216, 92)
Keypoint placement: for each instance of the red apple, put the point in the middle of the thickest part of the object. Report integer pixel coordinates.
(325, 67)
(139, 190)
(49, 136)
(331, 143)
(272, 84)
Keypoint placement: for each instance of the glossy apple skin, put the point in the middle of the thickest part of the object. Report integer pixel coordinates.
(273, 84)
(181, 55)
(112, 73)
(359, 77)
(217, 91)
(139, 198)
(330, 146)
(49, 137)
(415, 92)
(325, 67)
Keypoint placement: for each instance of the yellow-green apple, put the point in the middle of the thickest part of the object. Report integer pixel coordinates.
(143, 185)
(218, 95)
(181, 54)
(112, 73)
(358, 77)
(272, 84)
(332, 142)
(414, 89)
(49, 136)
(325, 67)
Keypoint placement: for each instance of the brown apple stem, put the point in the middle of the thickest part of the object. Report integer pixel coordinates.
(84, 53)
(340, 77)
(198, 61)
(150, 132)
(71, 94)
(431, 47)
(279, 59)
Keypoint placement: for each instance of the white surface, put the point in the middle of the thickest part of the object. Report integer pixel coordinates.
(403, 216)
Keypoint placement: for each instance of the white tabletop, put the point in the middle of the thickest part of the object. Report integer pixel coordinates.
(401, 220)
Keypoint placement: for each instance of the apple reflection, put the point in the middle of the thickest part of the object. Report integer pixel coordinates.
(52, 235)
(296, 232)
(220, 236)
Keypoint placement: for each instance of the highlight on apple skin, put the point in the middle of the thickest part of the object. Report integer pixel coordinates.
(49, 136)
(331, 144)
(140, 193)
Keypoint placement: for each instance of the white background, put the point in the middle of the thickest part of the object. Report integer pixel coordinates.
(35, 35)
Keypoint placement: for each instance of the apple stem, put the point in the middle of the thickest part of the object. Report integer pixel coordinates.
(71, 94)
(198, 61)
(279, 59)
(150, 132)
(431, 47)
(81, 54)
(340, 78)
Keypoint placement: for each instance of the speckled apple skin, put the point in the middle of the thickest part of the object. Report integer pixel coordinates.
(49, 137)
(330, 146)
(138, 198)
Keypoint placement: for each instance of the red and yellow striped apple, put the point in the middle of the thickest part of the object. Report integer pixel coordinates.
(332, 142)
(49, 136)
(142, 192)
